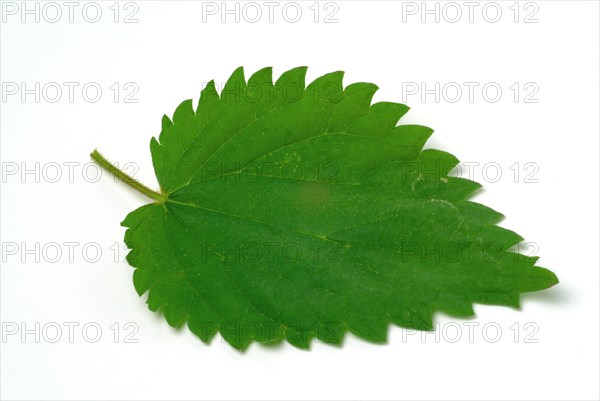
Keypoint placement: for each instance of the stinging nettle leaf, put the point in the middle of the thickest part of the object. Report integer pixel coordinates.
(298, 212)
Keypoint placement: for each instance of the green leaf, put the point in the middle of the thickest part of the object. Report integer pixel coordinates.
(293, 212)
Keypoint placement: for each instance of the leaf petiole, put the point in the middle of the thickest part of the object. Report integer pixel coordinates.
(160, 197)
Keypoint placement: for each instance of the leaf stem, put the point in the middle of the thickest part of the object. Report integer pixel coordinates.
(132, 182)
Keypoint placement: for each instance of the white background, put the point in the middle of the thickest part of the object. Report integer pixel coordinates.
(169, 53)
